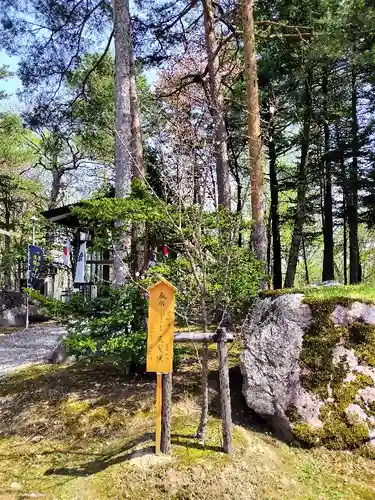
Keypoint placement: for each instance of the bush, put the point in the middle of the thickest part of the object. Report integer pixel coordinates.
(110, 327)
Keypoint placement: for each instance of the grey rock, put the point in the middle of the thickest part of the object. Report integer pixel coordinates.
(366, 395)
(372, 436)
(359, 311)
(341, 354)
(355, 413)
(316, 284)
(36, 439)
(368, 316)
(15, 486)
(13, 309)
(340, 316)
(270, 362)
(59, 354)
(331, 283)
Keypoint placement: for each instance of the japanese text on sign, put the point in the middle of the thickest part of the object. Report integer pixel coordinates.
(160, 327)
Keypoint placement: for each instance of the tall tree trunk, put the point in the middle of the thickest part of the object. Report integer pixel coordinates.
(57, 175)
(352, 201)
(276, 241)
(217, 108)
(201, 431)
(54, 196)
(235, 171)
(7, 266)
(138, 168)
(328, 260)
(307, 279)
(259, 236)
(300, 216)
(124, 143)
(345, 193)
(345, 242)
(269, 244)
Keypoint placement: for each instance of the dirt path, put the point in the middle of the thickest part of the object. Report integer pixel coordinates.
(26, 347)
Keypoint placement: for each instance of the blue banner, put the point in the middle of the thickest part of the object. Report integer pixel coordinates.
(36, 261)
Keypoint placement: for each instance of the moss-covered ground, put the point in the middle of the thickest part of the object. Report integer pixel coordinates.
(82, 432)
(363, 293)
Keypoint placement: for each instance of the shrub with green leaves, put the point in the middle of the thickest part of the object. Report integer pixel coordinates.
(110, 327)
(215, 277)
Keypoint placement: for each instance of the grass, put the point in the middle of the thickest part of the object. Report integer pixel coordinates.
(364, 293)
(79, 432)
(6, 330)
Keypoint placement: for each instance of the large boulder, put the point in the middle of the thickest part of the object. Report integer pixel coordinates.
(308, 368)
(13, 310)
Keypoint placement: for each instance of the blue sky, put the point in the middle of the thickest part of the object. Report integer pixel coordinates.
(12, 84)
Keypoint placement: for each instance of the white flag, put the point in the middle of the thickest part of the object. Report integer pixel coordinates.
(81, 261)
(66, 258)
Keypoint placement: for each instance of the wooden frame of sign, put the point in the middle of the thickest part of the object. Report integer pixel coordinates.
(160, 341)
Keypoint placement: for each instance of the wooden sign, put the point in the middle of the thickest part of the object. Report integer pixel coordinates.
(160, 327)
(160, 341)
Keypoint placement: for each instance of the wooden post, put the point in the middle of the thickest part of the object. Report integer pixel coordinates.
(159, 390)
(167, 413)
(226, 412)
(204, 412)
(160, 328)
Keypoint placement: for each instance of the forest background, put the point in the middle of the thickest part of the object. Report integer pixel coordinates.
(265, 111)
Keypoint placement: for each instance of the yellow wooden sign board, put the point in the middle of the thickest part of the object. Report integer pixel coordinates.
(160, 327)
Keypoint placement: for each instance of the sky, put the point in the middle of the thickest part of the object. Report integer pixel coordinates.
(12, 84)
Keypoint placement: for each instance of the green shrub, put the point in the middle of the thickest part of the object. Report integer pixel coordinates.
(110, 327)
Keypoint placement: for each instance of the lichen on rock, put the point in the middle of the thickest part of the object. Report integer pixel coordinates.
(309, 369)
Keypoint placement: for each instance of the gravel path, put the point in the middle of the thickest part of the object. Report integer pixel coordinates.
(26, 347)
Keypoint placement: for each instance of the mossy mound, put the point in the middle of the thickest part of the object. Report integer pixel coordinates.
(326, 393)
(332, 379)
(337, 293)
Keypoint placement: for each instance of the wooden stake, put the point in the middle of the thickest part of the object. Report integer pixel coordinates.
(167, 413)
(159, 391)
(226, 411)
(204, 410)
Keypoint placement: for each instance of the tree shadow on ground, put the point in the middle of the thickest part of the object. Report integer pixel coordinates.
(33, 401)
(104, 461)
(178, 439)
(45, 393)
(126, 453)
(242, 415)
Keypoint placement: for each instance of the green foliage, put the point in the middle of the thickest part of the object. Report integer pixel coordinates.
(15, 149)
(4, 74)
(19, 197)
(53, 307)
(110, 327)
(94, 109)
(212, 274)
